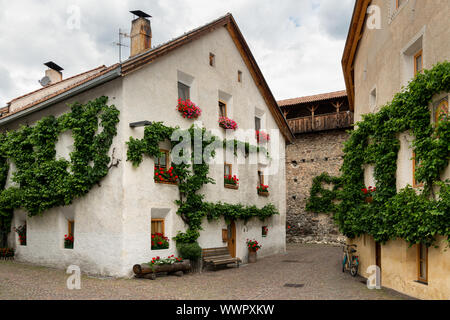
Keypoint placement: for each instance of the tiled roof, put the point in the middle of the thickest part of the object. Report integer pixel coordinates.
(314, 98)
(71, 82)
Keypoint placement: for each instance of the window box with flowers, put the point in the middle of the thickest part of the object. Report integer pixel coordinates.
(170, 265)
(68, 241)
(263, 190)
(369, 193)
(253, 247)
(231, 182)
(165, 176)
(6, 253)
(22, 232)
(227, 123)
(188, 109)
(262, 137)
(159, 242)
(265, 231)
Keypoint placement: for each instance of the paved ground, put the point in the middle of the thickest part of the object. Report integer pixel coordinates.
(317, 267)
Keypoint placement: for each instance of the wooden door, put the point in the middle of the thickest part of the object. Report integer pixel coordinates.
(231, 241)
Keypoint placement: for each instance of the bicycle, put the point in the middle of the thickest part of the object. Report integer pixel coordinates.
(350, 261)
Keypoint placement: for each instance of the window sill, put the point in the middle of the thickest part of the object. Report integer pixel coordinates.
(231, 186)
(166, 182)
(421, 282)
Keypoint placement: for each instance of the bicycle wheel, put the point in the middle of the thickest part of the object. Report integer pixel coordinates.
(354, 270)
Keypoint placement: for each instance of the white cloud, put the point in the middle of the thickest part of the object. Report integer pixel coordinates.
(297, 43)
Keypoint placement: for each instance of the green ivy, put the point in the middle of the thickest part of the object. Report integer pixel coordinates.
(44, 182)
(414, 216)
(193, 175)
(322, 199)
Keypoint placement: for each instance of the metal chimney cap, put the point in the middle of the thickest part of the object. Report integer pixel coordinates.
(141, 14)
(53, 66)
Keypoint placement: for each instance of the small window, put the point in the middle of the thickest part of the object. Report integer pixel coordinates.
(71, 227)
(416, 164)
(239, 76)
(260, 177)
(183, 91)
(373, 99)
(228, 169)
(257, 123)
(157, 226)
(264, 231)
(418, 62)
(222, 109)
(212, 59)
(162, 161)
(422, 263)
(440, 110)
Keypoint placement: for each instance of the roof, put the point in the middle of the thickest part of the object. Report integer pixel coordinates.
(151, 55)
(314, 98)
(351, 45)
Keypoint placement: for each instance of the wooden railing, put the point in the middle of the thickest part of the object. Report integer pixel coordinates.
(321, 122)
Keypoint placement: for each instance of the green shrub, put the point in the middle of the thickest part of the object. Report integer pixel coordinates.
(191, 251)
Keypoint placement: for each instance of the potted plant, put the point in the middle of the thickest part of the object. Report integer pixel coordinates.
(6, 253)
(188, 109)
(159, 242)
(22, 232)
(227, 123)
(68, 241)
(368, 193)
(253, 247)
(231, 182)
(262, 137)
(263, 190)
(165, 176)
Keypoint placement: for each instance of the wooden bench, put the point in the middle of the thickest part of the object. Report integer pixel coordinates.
(218, 256)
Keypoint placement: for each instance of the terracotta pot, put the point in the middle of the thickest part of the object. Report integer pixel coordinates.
(369, 199)
(251, 256)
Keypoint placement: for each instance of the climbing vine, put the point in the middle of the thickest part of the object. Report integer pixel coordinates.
(193, 175)
(322, 199)
(40, 180)
(413, 215)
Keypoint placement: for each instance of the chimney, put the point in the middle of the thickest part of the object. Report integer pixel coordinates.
(52, 75)
(141, 33)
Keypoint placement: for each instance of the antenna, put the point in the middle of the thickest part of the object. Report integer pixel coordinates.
(120, 44)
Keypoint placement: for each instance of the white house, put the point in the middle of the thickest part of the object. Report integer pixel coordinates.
(112, 223)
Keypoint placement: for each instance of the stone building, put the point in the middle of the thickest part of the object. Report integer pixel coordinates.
(319, 123)
(112, 225)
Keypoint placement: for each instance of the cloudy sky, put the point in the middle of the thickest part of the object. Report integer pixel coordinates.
(298, 44)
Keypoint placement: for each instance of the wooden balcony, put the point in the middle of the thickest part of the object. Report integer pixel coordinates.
(321, 122)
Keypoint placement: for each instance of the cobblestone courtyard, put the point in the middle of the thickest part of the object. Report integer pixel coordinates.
(316, 267)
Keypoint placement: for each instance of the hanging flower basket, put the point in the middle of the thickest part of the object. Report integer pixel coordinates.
(227, 123)
(262, 137)
(188, 109)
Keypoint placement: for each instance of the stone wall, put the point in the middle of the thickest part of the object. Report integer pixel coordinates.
(309, 156)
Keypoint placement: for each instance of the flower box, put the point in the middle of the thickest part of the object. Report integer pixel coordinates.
(262, 137)
(263, 194)
(368, 194)
(171, 265)
(227, 123)
(188, 109)
(159, 242)
(368, 199)
(68, 241)
(231, 182)
(165, 176)
(231, 186)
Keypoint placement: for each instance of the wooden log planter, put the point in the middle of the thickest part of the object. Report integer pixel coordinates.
(146, 271)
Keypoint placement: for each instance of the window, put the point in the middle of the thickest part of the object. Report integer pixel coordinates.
(257, 123)
(71, 227)
(416, 163)
(163, 160)
(373, 99)
(418, 62)
(157, 226)
(212, 59)
(260, 177)
(222, 109)
(183, 91)
(239, 76)
(422, 263)
(440, 110)
(228, 169)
